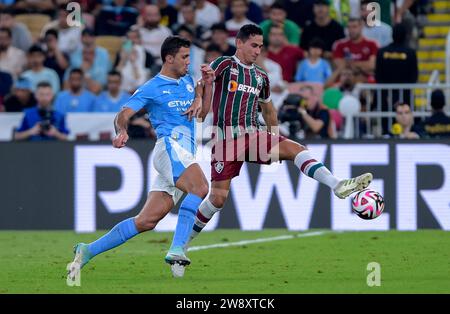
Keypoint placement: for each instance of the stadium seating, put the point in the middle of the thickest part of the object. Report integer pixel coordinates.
(34, 22)
(110, 43)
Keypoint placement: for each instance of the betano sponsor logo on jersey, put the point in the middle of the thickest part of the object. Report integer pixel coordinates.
(234, 86)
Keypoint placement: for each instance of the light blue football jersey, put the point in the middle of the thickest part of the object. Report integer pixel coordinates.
(165, 99)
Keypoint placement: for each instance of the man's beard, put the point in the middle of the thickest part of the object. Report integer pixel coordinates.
(3, 48)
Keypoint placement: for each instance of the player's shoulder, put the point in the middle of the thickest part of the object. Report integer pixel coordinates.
(260, 70)
(222, 60)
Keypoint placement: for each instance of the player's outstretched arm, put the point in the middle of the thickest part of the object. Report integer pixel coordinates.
(270, 116)
(121, 125)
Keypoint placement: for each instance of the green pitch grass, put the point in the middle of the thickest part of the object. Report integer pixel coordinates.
(411, 262)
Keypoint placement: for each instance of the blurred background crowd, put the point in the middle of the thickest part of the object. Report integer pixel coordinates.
(56, 60)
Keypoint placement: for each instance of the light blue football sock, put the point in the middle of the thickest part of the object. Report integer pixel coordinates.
(186, 217)
(118, 235)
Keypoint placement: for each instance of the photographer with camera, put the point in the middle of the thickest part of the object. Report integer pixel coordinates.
(42, 122)
(305, 117)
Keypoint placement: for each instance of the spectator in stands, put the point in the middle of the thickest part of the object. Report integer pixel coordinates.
(21, 36)
(278, 87)
(344, 79)
(212, 52)
(5, 86)
(113, 98)
(37, 72)
(34, 6)
(397, 63)
(206, 14)
(239, 9)
(42, 122)
(169, 15)
(12, 60)
(115, 18)
(93, 60)
(68, 37)
(438, 125)
(404, 126)
(220, 38)
(381, 33)
(54, 58)
(152, 32)
(279, 50)
(197, 54)
(315, 118)
(133, 62)
(323, 27)
(356, 51)
(76, 98)
(314, 69)
(254, 12)
(21, 97)
(277, 17)
(300, 12)
(187, 15)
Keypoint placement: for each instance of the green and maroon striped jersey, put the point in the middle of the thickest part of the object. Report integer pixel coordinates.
(238, 88)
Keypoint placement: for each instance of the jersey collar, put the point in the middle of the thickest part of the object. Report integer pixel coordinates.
(170, 79)
(241, 64)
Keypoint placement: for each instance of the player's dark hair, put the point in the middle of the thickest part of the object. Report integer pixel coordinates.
(7, 31)
(76, 71)
(43, 84)
(172, 45)
(247, 31)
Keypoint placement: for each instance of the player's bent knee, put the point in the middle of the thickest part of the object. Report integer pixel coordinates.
(217, 201)
(200, 190)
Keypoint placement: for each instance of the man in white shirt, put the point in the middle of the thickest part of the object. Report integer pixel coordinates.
(206, 14)
(152, 33)
(239, 10)
(69, 36)
(12, 60)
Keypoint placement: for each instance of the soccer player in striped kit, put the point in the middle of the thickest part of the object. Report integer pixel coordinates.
(236, 89)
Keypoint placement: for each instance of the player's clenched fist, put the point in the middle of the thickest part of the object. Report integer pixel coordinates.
(120, 140)
(207, 73)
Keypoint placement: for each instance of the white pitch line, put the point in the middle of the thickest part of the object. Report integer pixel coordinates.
(260, 240)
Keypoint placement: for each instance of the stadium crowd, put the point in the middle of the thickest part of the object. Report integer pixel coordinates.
(315, 52)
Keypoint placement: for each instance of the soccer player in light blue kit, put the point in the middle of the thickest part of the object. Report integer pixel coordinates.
(171, 100)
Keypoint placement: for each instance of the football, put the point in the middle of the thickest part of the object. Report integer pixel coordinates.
(368, 204)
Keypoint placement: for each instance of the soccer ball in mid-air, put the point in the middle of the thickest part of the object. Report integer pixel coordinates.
(368, 204)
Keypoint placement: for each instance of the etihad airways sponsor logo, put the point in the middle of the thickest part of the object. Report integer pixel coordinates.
(234, 86)
(180, 103)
